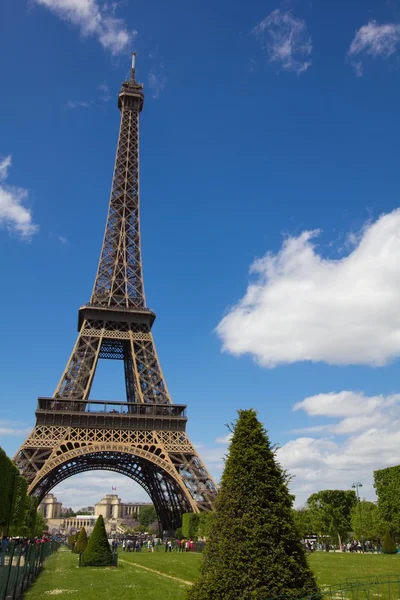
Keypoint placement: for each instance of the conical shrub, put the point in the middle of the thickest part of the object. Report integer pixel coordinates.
(254, 549)
(82, 541)
(98, 552)
(388, 546)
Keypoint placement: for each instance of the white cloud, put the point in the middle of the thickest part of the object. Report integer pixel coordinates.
(157, 82)
(94, 19)
(304, 307)
(13, 428)
(86, 489)
(104, 90)
(71, 104)
(374, 40)
(372, 427)
(224, 440)
(14, 216)
(285, 40)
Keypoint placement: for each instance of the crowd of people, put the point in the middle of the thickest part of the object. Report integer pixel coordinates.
(351, 546)
(357, 546)
(20, 543)
(136, 545)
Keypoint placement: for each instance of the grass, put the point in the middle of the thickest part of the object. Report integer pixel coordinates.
(337, 567)
(132, 580)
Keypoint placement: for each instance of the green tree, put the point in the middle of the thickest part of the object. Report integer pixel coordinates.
(330, 512)
(72, 539)
(9, 475)
(388, 546)
(203, 529)
(387, 485)
(81, 542)
(20, 503)
(372, 526)
(303, 521)
(190, 525)
(254, 550)
(98, 552)
(29, 525)
(40, 525)
(147, 516)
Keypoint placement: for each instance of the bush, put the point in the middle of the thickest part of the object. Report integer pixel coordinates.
(72, 539)
(98, 552)
(81, 542)
(254, 550)
(388, 546)
(190, 525)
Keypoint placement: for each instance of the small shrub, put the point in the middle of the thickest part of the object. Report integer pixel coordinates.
(98, 552)
(388, 546)
(81, 542)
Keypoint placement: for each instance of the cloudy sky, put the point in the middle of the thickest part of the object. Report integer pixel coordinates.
(270, 218)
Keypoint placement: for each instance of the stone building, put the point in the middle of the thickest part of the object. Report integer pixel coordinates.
(50, 507)
(114, 512)
(111, 507)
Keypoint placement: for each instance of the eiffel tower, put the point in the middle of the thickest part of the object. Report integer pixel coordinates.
(145, 436)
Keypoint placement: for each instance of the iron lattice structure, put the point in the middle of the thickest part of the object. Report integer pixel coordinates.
(145, 436)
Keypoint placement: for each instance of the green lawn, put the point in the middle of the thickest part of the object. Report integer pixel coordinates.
(335, 568)
(63, 578)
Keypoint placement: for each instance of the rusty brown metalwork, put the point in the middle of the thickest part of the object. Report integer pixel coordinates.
(145, 436)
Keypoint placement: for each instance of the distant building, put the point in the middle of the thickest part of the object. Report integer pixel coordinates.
(111, 507)
(50, 507)
(113, 510)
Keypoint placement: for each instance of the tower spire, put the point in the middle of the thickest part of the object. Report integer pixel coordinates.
(133, 67)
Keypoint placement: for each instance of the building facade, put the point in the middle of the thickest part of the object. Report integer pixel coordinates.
(111, 507)
(113, 510)
(50, 507)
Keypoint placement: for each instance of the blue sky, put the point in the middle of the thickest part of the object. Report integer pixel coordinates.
(269, 190)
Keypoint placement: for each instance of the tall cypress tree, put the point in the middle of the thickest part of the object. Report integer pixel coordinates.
(254, 549)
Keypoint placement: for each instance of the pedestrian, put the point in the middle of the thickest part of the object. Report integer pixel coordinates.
(123, 545)
(170, 545)
(149, 546)
(166, 545)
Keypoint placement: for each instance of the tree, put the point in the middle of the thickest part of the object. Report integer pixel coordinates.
(40, 525)
(203, 529)
(254, 550)
(387, 485)
(303, 521)
(389, 546)
(29, 525)
(81, 542)
(20, 502)
(8, 490)
(147, 516)
(331, 510)
(98, 552)
(372, 526)
(190, 525)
